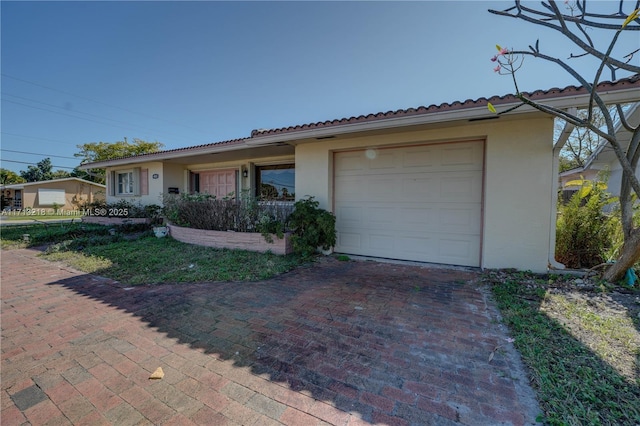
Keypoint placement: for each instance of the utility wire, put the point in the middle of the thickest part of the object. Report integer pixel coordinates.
(77, 112)
(100, 102)
(37, 138)
(35, 164)
(70, 115)
(35, 153)
(62, 113)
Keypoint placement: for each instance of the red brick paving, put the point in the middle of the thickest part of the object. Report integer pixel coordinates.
(339, 343)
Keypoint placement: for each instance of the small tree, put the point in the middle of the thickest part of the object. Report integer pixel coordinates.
(100, 151)
(573, 25)
(42, 171)
(7, 177)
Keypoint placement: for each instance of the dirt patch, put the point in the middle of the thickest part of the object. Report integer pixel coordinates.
(605, 319)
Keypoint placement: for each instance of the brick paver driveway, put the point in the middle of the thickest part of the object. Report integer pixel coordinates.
(340, 343)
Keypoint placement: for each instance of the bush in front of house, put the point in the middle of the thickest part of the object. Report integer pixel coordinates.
(244, 214)
(311, 227)
(585, 230)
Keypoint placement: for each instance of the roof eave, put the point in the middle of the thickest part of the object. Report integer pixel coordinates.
(165, 155)
(460, 114)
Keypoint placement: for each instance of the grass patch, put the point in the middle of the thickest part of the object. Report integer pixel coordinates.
(582, 358)
(86, 263)
(151, 260)
(132, 255)
(12, 236)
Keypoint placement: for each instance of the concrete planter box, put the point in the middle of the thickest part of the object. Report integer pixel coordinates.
(114, 221)
(251, 241)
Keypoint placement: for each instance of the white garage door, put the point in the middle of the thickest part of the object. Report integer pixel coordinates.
(419, 203)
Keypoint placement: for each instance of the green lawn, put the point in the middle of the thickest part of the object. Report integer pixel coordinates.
(581, 346)
(134, 256)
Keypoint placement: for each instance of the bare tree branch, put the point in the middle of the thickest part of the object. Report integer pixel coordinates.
(562, 28)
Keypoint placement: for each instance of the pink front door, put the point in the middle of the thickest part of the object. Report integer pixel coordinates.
(221, 183)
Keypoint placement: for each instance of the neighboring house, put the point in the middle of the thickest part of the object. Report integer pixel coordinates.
(450, 183)
(68, 194)
(604, 160)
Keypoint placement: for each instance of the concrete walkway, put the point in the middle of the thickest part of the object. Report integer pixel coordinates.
(338, 343)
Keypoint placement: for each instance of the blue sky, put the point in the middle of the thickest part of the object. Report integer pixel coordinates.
(189, 73)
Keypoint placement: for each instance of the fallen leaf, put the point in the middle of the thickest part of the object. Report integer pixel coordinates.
(157, 375)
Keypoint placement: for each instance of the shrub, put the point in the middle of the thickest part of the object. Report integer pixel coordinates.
(584, 231)
(246, 214)
(312, 227)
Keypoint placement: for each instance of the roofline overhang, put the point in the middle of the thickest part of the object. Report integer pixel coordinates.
(23, 184)
(461, 114)
(165, 155)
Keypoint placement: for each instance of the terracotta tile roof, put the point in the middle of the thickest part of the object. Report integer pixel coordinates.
(469, 103)
(186, 148)
(626, 83)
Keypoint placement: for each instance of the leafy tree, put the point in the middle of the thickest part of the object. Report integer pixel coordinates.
(576, 23)
(42, 171)
(100, 151)
(7, 177)
(60, 174)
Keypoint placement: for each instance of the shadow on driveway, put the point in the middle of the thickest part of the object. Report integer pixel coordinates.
(390, 344)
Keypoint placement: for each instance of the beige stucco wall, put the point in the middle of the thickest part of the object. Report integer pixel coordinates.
(517, 183)
(77, 194)
(172, 177)
(155, 185)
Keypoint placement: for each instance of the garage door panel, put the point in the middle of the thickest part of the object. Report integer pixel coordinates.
(463, 188)
(458, 251)
(423, 158)
(349, 216)
(424, 187)
(458, 221)
(416, 217)
(384, 160)
(381, 216)
(349, 162)
(464, 155)
(381, 241)
(351, 189)
(416, 203)
(349, 241)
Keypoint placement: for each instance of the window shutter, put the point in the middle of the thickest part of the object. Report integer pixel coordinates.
(112, 183)
(144, 182)
(136, 181)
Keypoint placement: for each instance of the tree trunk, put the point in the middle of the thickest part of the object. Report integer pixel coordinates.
(630, 254)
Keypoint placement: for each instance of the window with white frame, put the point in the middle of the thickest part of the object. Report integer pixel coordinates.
(125, 183)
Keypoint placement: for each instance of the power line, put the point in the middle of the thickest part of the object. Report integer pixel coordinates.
(68, 115)
(37, 138)
(35, 153)
(100, 102)
(35, 164)
(77, 112)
